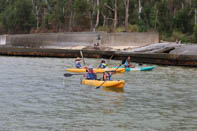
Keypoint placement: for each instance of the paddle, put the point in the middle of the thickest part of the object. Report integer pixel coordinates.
(68, 74)
(123, 61)
(82, 57)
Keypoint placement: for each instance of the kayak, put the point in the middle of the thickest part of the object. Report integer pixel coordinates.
(148, 68)
(97, 70)
(116, 84)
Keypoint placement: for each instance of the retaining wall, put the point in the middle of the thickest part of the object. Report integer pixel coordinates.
(2, 39)
(53, 40)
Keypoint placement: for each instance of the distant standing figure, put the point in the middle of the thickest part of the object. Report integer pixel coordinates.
(78, 62)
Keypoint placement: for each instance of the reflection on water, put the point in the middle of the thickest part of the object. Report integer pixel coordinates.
(112, 89)
(34, 95)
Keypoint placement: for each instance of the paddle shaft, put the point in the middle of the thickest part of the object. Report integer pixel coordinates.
(82, 57)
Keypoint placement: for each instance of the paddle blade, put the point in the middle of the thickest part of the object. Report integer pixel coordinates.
(67, 75)
(97, 87)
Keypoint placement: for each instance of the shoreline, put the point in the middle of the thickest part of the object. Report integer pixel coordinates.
(139, 57)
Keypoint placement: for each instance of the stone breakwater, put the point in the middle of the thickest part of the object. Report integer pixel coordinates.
(137, 55)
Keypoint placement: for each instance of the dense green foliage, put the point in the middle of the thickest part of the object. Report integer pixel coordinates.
(173, 19)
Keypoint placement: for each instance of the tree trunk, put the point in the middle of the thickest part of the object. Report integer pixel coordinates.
(70, 21)
(104, 19)
(139, 10)
(126, 15)
(97, 15)
(195, 16)
(115, 14)
(156, 19)
(35, 6)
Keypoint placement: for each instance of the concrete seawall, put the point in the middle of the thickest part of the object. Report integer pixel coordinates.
(151, 58)
(59, 40)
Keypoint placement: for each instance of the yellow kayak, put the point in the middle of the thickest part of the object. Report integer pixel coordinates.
(116, 84)
(97, 70)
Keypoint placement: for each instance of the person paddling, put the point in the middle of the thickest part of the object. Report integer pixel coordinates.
(78, 62)
(102, 64)
(107, 76)
(127, 63)
(90, 74)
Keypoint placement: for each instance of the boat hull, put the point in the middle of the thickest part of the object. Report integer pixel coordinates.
(148, 68)
(97, 70)
(115, 84)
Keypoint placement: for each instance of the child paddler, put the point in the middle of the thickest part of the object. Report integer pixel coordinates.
(78, 62)
(102, 64)
(107, 76)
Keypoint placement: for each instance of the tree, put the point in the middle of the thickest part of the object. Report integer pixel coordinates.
(126, 4)
(18, 16)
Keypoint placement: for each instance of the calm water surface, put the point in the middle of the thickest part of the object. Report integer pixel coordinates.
(34, 96)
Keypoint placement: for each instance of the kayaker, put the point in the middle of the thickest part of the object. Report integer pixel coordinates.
(107, 76)
(90, 74)
(102, 64)
(127, 64)
(78, 62)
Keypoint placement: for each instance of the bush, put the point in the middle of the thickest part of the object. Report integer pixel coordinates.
(103, 28)
(195, 34)
(120, 29)
(177, 36)
(133, 28)
(182, 37)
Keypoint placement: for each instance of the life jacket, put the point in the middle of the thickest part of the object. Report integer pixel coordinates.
(78, 64)
(90, 75)
(102, 65)
(107, 76)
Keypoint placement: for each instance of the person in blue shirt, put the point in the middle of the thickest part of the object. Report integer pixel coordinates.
(90, 74)
(78, 62)
(102, 64)
(127, 64)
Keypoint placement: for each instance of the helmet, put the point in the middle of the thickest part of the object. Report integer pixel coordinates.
(90, 67)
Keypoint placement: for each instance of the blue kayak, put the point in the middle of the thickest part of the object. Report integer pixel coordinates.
(147, 68)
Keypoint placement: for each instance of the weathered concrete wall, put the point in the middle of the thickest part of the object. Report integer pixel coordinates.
(130, 39)
(51, 39)
(2, 39)
(54, 40)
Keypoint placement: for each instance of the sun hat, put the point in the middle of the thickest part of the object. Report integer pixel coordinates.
(78, 58)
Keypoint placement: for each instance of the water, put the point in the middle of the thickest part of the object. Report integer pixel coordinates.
(34, 96)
